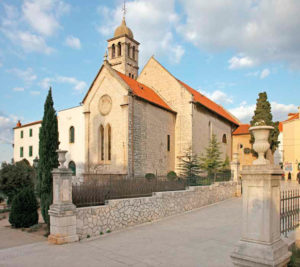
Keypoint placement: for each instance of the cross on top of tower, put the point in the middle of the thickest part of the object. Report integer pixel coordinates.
(124, 9)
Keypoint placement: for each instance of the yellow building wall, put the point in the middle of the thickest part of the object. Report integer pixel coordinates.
(244, 140)
(291, 147)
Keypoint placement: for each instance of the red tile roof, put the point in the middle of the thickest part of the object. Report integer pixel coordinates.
(294, 116)
(203, 100)
(280, 127)
(28, 124)
(144, 92)
(242, 129)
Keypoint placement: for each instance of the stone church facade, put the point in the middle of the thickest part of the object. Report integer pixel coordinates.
(135, 124)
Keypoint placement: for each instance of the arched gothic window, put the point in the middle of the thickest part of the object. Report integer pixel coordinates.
(72, 166)
(113, 51)
(101, 142)
(133, 52)
(108, 131)
(128, 50)
(72, 135)
(224, 139)
(119, 49)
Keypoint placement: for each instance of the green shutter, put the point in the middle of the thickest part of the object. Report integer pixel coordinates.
(21, 152)
(30, 132)
(21, 134)
(30, 151)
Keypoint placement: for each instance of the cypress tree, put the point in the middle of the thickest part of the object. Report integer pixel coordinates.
(263, 113)
(48, 156)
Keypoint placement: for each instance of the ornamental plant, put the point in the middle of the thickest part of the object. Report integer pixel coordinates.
(24, 209)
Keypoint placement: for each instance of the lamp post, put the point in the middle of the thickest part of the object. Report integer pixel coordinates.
(36, 162)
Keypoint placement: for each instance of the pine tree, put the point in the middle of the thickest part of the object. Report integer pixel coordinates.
(48, 156)
(189, 167)
(263, 113)
(211, 161)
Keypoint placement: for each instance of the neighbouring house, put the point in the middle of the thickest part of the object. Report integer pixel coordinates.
(130, 124)
(241, 145)
(291, 145)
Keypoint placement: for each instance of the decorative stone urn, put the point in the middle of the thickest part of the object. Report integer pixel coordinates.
(261, 144)
(61, 158)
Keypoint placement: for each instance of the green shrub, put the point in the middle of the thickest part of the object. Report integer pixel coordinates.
(172, 176)
(24, 209)
(15, 177)
(150, 176)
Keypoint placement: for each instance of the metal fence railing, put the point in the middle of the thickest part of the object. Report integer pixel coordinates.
(289, 210)
(97, 188)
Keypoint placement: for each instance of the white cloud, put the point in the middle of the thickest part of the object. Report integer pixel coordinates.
(244, 112)
(77, 84)
(29, 25)
(7, 122)
(43, 16)
(18, 89)
(265, 73)
(153, 24)
(73, 42)
(46, 83)
(218, 97)
(264, 30)
(26, 75)
(238, 62)
(35, 92)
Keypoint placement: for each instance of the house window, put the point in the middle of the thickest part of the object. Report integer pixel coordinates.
(224, 139)
(72, 134)
(30, 132)
(128, 50)
(113, 51)
(72, 167)
(133, 52)
(168, 140)
(119, 49)
(30, 151)
(101, 142)
(21, 152)
(22, 134)
(108, 142)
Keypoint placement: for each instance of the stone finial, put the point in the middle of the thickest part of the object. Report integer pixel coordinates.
(61, 158)
(261, 143)
(105, 56)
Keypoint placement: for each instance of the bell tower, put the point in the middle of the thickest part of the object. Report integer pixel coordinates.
(123, 50)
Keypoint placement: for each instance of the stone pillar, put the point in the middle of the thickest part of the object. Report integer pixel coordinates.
(261, 244)
(62, 212)
(235, 168)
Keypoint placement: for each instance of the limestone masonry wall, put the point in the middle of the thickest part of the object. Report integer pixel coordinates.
(122, 213)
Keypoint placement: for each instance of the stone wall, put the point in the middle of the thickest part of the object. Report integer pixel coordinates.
(122, 213)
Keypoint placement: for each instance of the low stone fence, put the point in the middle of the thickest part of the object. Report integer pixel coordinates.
(122, 213)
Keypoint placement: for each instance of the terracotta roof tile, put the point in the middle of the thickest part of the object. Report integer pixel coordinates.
(203, 100)
(293, 117)
(242, 129)
(280, 127)
(144, 92)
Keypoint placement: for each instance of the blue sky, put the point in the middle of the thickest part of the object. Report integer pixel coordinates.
(229, 50)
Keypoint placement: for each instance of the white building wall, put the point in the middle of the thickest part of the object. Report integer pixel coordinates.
(26, 142)
(66, 119)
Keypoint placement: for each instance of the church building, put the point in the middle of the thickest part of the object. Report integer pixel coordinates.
(132, 123)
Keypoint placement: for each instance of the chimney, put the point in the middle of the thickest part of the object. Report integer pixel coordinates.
(19, 124)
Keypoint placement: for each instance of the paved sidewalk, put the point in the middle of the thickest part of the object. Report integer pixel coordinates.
(204, 237)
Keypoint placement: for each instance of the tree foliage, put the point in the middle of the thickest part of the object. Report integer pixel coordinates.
(24, 209)
(263, 113)
(189, 166)
(211, 161)
(15, 177)
(48, 158)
